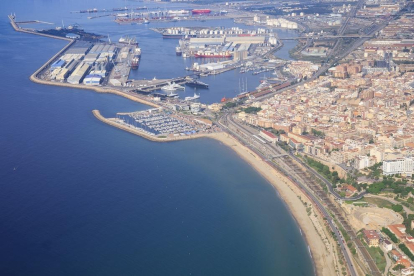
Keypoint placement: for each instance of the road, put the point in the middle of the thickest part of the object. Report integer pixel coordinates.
(283, 162)
(303, 178)
(266, 151)
(328, 184)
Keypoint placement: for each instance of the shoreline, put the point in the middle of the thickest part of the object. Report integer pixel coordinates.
(291, 195)
(288, 192)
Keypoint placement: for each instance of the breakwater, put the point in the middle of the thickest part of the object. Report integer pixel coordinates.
(22, 30)
(130, 129)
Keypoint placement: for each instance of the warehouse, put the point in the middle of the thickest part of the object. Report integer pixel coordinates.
(92, 80)
(78, 74)
(57, 64)
(207, 41)
(246, 39)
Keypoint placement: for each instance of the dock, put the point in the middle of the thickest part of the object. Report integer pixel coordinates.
(148, 86)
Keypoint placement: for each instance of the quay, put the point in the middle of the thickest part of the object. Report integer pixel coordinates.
(148, 86)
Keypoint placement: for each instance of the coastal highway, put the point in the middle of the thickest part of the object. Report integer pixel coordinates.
(278, 159)
(245, 137)
(328, 183)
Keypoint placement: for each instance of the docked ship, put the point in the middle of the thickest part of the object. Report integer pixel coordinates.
(208, 54)
(89, 11)
(195, 97)
(122, 14)
(201, 11)
(128, 40)
(179, 13)
(197, 84)
(178, 51)
(172, 87)
(135, 62)
(138, 52)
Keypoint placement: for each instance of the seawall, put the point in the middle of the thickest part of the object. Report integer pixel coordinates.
(110, 122)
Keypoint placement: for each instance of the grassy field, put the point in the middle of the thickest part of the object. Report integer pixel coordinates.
(378, 256)
(382, 203)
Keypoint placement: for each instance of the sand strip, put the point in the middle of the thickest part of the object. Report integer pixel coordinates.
(323, 259)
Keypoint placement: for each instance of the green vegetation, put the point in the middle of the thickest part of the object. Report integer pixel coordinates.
(397, 207)
(344, 233)
(375, 170)
(398, 186)
(378, 256)
(229, 105)
(283, 145)
(323, 170)
(398, 267)
(381, 203)
(392, 236)
(252, 109)
(406, 251)
(276, 131)
(407, 223)
(318, 133)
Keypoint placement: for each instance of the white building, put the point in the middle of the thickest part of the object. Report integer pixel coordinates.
(386, 245)
(400, 165)
(362, 162)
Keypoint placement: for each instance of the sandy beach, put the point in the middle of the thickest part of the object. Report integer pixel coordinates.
(322, 258)
(319, 241)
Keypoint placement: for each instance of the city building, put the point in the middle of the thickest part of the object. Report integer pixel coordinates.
(398, 166)
(371, 237)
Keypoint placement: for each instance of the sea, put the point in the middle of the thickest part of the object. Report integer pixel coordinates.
(78, 197)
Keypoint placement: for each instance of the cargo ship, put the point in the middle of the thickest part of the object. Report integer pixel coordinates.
(135, 62)
(201, 11)
(212, 55)
(128, 40)
(138, 52)
(197, 83)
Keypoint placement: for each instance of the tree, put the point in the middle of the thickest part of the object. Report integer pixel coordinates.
(397, 207)
(398, 267)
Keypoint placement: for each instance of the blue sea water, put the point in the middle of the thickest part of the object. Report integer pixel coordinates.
(78, 197)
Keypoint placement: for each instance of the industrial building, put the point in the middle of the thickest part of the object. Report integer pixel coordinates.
(57, 64)
(79, 73)
(92, 80)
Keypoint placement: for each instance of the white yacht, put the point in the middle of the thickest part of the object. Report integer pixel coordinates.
(195, 97)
